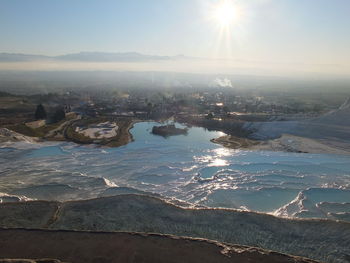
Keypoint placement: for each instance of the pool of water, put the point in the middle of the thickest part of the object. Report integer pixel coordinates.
(186, 167)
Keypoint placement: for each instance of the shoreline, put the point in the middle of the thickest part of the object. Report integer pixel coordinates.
(122, 137)
(66, 133)
(234, 142)
(286, 143)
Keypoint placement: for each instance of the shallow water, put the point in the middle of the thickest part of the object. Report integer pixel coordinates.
(189, 168)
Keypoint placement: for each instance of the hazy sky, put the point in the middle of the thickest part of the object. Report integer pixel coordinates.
(312, 32)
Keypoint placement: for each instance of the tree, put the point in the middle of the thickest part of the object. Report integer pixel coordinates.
(59, 115)
(40, 113)
(210, 116)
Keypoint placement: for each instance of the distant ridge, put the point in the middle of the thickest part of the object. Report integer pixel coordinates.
(106, 57)
(18, 57)
(86, 57)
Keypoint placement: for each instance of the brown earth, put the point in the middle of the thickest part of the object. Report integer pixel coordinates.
(103, 247)
(45, 260)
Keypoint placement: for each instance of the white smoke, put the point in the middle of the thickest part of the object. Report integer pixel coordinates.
(223, 83)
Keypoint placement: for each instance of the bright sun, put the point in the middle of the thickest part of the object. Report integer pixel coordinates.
(225, 13)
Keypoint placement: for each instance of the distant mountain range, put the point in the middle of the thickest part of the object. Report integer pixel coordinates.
(8, 57)
(86, 57)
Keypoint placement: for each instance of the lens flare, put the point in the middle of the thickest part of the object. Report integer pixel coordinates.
(225, 13)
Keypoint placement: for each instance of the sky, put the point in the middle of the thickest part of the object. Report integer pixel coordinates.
(311, 33)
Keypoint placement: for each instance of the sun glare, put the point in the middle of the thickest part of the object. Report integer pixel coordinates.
(225, 13)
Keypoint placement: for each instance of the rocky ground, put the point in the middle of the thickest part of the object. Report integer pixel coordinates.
(7, 135)
(324, 240)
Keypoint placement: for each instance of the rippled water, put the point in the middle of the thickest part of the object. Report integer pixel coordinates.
(189, 168)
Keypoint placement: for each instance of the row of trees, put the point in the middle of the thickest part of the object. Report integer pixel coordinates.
(40, 114)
